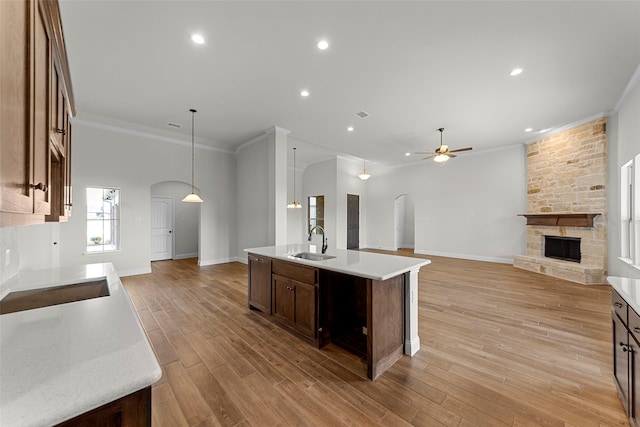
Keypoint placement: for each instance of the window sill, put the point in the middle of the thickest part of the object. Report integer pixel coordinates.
(630, 262)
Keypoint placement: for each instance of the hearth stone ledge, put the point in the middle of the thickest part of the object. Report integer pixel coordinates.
(566, 270)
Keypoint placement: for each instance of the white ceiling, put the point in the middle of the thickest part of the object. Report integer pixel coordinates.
(413, 66)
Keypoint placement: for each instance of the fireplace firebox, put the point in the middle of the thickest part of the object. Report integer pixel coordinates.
(564, 248)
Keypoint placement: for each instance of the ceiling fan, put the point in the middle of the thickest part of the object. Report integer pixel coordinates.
(442, 153)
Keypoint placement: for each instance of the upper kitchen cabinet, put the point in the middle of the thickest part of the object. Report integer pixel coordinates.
(37, 103)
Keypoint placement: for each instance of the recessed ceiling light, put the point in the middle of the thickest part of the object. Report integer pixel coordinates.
(304, 93)
(528, 129)
(544, 130)
(197, 38)
(515, 72)
(323, 45)
(350, 129)
(407, 154)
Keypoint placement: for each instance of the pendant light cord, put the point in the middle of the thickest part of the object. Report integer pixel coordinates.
(193, 150)
(294, 175)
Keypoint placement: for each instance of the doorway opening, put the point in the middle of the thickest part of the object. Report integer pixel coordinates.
(175, 226)
(404, 222)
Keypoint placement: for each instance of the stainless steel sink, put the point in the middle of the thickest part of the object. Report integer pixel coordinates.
(312, 257)
(37, 298)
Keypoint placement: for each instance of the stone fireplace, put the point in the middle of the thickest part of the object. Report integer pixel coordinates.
(567, 202)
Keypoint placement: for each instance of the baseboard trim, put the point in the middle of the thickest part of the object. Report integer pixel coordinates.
(185, 256)
(204, 262)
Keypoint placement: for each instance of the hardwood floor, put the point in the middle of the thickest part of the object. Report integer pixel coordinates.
(499, 347)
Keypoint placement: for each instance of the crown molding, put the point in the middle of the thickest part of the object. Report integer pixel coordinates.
(94, 122)
(628, 89)
(566, 127)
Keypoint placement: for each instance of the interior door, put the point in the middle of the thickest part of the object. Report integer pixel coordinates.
(161, 228)
(353, 221)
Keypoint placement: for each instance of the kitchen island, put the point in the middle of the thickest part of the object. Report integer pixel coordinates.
(90, 356)
(362, 301)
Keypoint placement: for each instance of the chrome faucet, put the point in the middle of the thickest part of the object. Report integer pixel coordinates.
(324, 240)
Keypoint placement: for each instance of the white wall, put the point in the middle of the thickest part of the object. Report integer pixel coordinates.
(186, 217)
(296, 219)
(252, 190)
(319, 179)
(134, 161)
(466, 209)
(623, 131)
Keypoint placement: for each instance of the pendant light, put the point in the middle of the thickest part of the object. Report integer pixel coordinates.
(192, 197)
(295, 204)
(364, 175)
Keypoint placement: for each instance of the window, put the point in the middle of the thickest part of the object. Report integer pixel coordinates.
(103, 219)
(630, 212)
(316, 213)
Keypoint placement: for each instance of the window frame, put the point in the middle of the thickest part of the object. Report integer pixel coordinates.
(630, 212)
(110, 221)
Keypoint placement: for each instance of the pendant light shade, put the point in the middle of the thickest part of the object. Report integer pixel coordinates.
(192, 197)
(295, 204)
(364, 175)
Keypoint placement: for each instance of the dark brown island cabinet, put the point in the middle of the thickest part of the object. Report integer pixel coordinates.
(320, 306)
(626, 355)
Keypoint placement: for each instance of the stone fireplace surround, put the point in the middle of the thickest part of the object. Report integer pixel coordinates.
(567, 175)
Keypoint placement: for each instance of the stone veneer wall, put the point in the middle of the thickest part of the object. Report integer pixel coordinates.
(567, 173)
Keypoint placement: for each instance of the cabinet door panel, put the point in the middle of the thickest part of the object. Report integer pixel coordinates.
(283, 299)
(634, 389)
(41, 151)
(305, 308)
(621, 360)
(260, 283)
(15, 123)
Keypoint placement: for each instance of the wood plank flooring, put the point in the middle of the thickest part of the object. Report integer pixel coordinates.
(499, 347)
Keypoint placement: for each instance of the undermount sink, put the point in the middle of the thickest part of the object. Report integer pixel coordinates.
(312, 256)
(37, 298)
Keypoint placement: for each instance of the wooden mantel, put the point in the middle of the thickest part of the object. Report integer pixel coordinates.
(561, 219)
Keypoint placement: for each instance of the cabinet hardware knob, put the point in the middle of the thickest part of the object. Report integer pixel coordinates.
(617, 304)
(40, 186)
(637, 329)
(61, 131)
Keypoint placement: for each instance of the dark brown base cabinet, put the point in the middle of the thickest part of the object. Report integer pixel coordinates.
(320, 306)
(133, 410)
(626, 356)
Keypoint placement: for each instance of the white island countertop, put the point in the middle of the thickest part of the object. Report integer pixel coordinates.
(357, 263)
(629, 290)
(61, 361)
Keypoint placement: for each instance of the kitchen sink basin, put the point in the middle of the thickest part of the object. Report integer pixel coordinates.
(312, 257)
(45, 297)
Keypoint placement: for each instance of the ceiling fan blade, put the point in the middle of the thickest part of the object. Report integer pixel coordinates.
(422, 152)
(433, 155)
(461, 149)
(451, 156)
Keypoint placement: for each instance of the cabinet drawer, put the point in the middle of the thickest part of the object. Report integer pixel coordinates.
(619, 306)
(295, 272)
(634, 323)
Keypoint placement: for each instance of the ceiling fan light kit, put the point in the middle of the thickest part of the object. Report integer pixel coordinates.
(442, 153)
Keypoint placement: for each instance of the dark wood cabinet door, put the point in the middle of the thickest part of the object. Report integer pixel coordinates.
(260, 283)
(305, 308)
(283, 299)
(634, 378)
(621, 360)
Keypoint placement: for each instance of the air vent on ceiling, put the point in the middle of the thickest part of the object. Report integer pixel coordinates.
(362, 114)
(174, 125)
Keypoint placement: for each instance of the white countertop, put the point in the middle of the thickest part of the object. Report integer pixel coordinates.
(357, 263)
(629, 290)
(61, 361)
